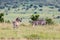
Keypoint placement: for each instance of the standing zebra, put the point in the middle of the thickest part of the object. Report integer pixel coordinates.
(39, 22)
(16, 22)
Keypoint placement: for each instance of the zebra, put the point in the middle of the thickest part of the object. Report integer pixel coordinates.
(38, 22)
(16, 22)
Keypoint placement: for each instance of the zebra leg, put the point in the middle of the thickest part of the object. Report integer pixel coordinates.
(37, 23)
(14, 26)
(34, 25)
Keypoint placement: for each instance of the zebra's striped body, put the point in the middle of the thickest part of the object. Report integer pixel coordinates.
(16, 23)
(39, 22)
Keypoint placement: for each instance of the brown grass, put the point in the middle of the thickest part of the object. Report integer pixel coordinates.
(26, 30)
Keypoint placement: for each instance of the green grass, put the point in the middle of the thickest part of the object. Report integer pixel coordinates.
(12, 16)
(27, 31)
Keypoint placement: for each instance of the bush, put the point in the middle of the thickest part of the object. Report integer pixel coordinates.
(1, 20)
(40, 9)
(40, 5)
(1, 14)
(34, 17)
(8, 21)
(51, 7)
(1, 17)
(49, 21)
(35, 7)
(35, 12)
(59, 10)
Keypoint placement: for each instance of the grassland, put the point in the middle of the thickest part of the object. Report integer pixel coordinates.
(27, 31)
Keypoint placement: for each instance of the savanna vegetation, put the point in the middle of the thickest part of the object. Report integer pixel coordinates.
(49, 12)
(27, 32)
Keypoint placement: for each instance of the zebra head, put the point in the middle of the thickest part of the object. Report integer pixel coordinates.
(19, 19)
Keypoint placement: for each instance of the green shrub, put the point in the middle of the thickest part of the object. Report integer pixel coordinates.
(1, 14)
(49, 21)
(1, 20)
(1, 17)
(34, 17)
(8, 21)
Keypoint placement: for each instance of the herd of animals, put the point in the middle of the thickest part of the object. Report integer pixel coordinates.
(18, 20)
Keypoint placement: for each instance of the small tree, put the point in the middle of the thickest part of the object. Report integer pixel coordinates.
(49, 21)
(34, 17)
(1, 17)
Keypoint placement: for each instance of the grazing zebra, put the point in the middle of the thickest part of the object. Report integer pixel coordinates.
(16, 22)
(39, 22)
